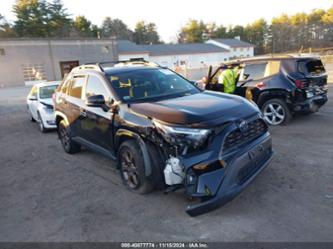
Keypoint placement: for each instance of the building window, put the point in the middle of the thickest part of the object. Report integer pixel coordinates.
(33, 72)
(241, 49)
(2, 52)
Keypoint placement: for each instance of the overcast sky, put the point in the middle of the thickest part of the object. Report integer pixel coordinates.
(170, 15)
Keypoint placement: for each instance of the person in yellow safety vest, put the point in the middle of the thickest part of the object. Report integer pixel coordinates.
(228, 78)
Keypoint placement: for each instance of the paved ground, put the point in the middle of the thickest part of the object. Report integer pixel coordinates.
(47, 195)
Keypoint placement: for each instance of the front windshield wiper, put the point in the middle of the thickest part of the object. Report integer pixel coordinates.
(160, 97)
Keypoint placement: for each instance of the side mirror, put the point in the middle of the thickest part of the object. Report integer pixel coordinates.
(32, 98)
(95, 101)
(246, 76)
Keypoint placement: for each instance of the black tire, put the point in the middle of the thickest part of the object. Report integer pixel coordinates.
(64, 134)
(276, 112)
(132, 168)
(32, 119)
(40, 124)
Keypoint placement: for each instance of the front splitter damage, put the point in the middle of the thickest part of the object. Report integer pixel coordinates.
(216, 179)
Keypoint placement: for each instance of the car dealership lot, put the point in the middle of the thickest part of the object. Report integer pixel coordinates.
(48, 195)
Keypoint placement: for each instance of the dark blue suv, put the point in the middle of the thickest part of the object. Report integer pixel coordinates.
(164, 132)
(280, 86)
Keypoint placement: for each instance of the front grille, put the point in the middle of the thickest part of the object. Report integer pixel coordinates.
(236, 138)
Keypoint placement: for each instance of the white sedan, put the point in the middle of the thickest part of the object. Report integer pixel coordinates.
(41, 106)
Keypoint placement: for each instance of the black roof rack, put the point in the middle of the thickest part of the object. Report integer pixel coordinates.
(93, 65)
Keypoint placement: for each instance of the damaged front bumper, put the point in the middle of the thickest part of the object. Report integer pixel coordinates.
(226, 174)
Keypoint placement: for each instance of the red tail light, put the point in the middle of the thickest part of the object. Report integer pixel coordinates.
(300, 84)
(260, 85)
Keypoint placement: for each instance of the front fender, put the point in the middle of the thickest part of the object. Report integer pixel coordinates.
(122, 134)
(59, 115)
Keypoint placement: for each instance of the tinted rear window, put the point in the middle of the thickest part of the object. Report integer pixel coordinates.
(64, 86)
(76, 88)
(313, 67)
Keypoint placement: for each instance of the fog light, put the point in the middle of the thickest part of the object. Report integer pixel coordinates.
(190, 179)
(200, 166)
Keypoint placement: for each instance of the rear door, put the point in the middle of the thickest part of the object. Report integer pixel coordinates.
(256, 75)
(96, 123)
(253, 72)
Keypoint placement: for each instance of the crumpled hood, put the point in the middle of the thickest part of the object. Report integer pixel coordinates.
(48, 102)
(197, 108)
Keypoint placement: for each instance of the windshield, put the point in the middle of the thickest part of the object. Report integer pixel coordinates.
(46, 92)
(312, 67)
(150, 84)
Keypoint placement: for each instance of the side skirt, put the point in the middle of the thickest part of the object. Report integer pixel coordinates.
(95, 147)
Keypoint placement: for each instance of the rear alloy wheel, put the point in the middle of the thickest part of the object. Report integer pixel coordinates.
(276, 112)
(65, 137)
(132, 168)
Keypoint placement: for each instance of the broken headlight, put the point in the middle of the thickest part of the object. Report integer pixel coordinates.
(181, 135)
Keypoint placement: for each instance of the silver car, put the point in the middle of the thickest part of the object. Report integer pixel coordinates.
(40, 105)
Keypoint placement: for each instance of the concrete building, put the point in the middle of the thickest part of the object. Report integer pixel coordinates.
(237, 48)
(25, 61)
(194, 55)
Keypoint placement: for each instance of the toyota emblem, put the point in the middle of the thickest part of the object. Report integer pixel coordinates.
(243, 126)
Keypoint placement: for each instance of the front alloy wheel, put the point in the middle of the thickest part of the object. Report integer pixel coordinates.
(129, 169)
(132, 168)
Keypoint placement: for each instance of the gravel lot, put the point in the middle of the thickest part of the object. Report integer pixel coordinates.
(47, 195)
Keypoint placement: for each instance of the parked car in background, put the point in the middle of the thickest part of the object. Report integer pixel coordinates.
(163, 131)
(40, 105)
(280, 86)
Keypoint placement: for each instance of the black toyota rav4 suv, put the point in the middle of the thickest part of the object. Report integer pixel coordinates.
(164, 132)
(281, 86)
